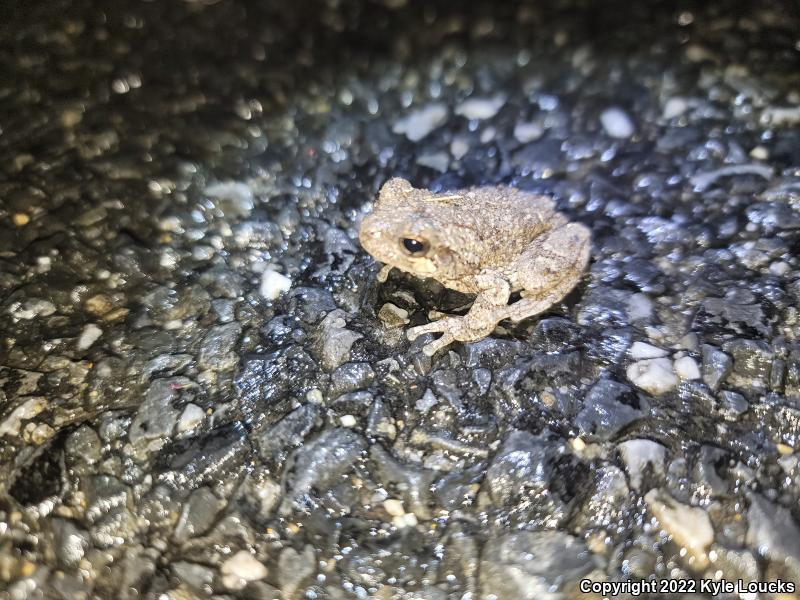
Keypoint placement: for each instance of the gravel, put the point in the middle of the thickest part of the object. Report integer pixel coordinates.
(204, 391)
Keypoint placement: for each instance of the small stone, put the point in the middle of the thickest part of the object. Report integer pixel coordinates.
(640, 350)
(234, 197)
(608, 407)
(689, 526)
(481, 108)
(686, 368)
(32, 308)
(99, 304)
(459, 147)
(27, 410)
(533, 565)
(654, 376)
(419, 123)
(273, 284)
(528, 132)
(240, 569)
(394, 507)
(392, 315)
(190, 418)
(90, 334)
(640, 308)
(348, 421)
(438, 161)
(733, 403)
(675, 107)
(20, 219)
(637, 455)
(405, 520)
(217, 348)
(716, 366)
(427, 402)
(617, 123)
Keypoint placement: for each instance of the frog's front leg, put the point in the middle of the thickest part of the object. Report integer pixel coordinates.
(487, 310)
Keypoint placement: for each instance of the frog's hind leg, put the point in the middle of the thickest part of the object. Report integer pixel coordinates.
(549, 269)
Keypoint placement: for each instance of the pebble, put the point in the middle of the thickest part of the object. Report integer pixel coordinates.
(394, 507)
(640, 350)
(240, 569)
(459, 147)
(27, 410)
(20, 219)
(675, 107)
(90, 334)
(427, 402)
(335, 340)
(617, 123)
(689, 526)
(438, 161)
(654, 376)
(686, 368)
(392, 315)
(419, 123)
(637, 454)
(235, 197)
(528, 132)
(190, 418)
(640, 308)
(481, 108)
(273, 284)
(705, 179)
(30, 309)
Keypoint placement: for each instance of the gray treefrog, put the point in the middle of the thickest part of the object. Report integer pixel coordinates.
(489, 241)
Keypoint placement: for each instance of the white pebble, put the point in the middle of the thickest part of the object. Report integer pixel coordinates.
(617, 123)
(459, 147)
(89, 336)
(654, 376)
(427, 402)
(348, 421)
(191, 417)
(273, 284)
(675, 107)
(239, 196)
(689, 526)
(637, 454)
(640, 307)
(438, 161)
(394, 507)
(759, 153)
(705, 179)
(244, 565)
(35, 307)
(481, 108)
(779, 268)
(169, 259)
(528, 132)
(27, 410)
(780, 115)
(406, 520)
(419, 123)
(686, 368)
(640, 350)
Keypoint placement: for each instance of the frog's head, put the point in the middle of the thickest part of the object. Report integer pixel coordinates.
(408, 229)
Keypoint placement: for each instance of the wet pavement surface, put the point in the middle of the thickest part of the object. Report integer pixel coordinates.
(204, 391)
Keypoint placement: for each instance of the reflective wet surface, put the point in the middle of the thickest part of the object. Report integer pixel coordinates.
(205, 391)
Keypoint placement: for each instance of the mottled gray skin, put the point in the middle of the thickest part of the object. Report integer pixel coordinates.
(489, 241)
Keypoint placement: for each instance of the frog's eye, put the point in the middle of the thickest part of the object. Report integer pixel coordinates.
(415, 247)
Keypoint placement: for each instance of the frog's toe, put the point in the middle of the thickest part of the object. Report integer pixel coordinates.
(436, 345)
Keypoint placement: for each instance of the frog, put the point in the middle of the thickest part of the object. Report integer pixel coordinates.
(487, 241)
